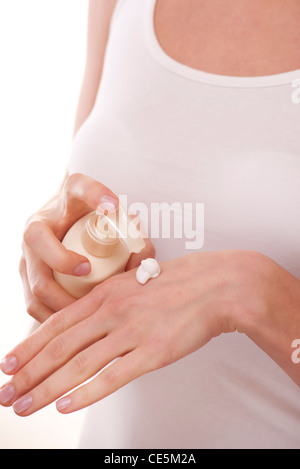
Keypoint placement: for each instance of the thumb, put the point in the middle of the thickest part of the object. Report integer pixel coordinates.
(81, 188)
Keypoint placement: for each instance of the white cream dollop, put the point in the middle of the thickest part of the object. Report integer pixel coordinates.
(149, 268)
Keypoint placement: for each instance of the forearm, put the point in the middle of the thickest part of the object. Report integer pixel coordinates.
(277, 325)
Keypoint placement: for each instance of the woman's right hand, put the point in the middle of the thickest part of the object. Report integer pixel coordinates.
(43, 251)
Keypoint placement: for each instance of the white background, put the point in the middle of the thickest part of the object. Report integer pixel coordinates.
(42, 53)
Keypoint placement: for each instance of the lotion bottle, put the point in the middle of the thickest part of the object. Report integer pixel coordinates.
(107, 241)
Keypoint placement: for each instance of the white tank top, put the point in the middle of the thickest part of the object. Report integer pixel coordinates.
(163, 132)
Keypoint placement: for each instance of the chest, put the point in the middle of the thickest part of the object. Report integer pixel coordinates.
(245, 38)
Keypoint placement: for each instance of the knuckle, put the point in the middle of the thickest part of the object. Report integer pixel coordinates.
(47, 392)
(116, 305)
(32, 308)
(63, 262)
(71, 181)
(32, 232)
(111, 286)
(108, 284)
(79, 364)
(135, 331)
(56, 323)
(109, 377)
(56, 348)
(23, 380)
(107, 289)
(114, 310)
(40, 287)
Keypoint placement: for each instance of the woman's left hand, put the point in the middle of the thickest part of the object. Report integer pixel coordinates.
(144, 327)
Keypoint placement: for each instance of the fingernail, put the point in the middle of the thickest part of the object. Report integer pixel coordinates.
(83, 269)
(63, 403)
(107, 205)
(22, 404)
(6, 394)
(8, 364)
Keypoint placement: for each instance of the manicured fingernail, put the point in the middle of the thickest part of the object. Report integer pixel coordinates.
(6, 394)
(107, 205)
(83, 269)
(22, 404)
(8, 364)
(64, 403)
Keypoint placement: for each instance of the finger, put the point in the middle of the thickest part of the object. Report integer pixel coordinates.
(82, 367)
(55, 325)
(121, 372)
(40, 238)
(43, 286)
(59, 351)
(135, 259)
(34, 307)
(91, 192)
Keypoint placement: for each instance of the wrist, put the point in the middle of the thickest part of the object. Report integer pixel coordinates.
(274, 299)
(240, 280)
(274, 323)
(247, 300)
(257, 281)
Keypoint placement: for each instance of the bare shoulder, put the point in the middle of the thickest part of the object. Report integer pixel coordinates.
(100, 13)
(102, 9)
(99, 18)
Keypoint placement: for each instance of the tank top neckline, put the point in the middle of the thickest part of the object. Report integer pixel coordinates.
(197, 75)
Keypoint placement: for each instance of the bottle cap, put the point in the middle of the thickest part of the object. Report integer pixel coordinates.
(104, 231)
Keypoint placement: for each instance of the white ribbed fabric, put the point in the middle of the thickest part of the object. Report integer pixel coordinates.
(163, 132)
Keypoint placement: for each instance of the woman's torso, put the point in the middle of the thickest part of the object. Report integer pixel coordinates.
(164, 132)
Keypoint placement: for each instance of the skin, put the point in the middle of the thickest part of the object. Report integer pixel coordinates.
(239, 38)
(196, 297)
(43, 251)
